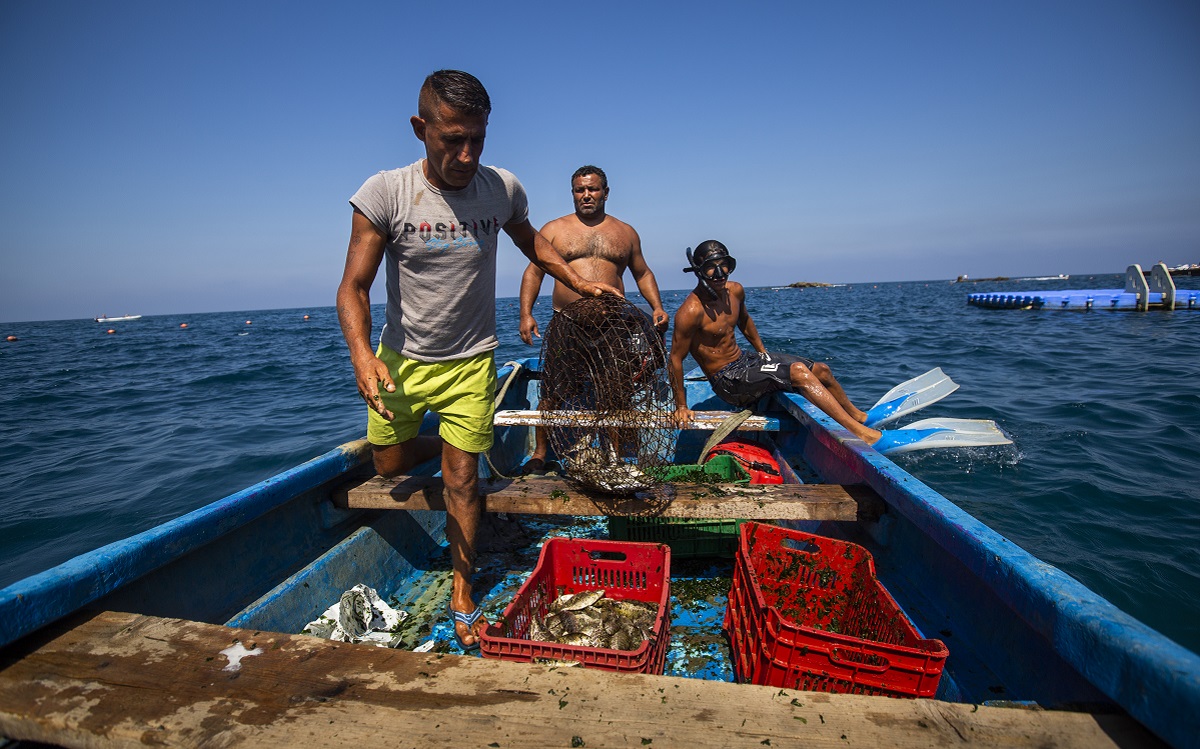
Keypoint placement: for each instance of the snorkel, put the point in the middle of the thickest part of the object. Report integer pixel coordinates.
(710, 262)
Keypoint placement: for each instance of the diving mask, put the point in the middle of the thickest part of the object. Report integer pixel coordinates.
(710, 262)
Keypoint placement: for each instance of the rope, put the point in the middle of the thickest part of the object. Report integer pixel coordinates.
(516, 370)
(723, 430)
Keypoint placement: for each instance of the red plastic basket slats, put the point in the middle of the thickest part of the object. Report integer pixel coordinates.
(624, 570)
(815, 617)
(740, 620)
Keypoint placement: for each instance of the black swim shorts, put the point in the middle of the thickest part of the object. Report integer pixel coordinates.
(742, 382)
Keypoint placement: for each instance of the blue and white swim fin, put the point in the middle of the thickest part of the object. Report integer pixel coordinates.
(931, 433)
(911, 396)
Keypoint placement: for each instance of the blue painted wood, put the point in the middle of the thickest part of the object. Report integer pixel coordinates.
(1153, 678)
(392, 546)
(1017, 628)
(43, 598)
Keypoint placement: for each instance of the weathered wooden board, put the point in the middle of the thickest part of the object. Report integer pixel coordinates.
(125, 680)
(553, 496)
(704, 420)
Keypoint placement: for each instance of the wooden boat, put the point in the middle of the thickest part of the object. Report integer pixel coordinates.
(187, 634)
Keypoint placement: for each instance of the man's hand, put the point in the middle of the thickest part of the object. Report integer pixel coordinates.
(591, 288)
(529, 329)
(683, 416)
(660, 320)
(370, 374)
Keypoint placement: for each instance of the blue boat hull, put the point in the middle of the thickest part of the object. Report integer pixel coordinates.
(273, 556)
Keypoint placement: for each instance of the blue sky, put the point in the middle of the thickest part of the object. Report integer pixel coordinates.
(171, 157)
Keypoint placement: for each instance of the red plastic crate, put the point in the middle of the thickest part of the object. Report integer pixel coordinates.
(624, 570)
(807, 612)
(755, 459)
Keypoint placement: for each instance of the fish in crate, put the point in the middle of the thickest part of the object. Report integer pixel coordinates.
(591, 620)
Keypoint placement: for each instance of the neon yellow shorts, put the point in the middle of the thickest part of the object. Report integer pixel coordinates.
(461, 392)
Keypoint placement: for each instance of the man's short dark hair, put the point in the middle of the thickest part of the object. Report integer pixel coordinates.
(460, 91)
(587, 169)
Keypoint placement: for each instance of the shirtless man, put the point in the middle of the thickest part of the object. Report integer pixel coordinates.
(704, 327)
(598, 247)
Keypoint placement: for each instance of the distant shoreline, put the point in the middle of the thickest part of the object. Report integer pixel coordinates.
(964, 279)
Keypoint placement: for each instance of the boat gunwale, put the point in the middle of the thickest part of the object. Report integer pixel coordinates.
(1153, 678)
(1143, 671)
(47, 596)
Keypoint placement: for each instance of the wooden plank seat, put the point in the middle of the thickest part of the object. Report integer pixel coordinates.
(124, 680)
(545, 495)
(705, 420)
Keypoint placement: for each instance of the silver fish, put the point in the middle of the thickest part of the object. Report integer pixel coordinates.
(604, 469)
(626, 639)
(590, 619)
(578, 639)
(577, 601)
(553, 626)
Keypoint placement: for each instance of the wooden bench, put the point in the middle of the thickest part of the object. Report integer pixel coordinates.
(121, 680)
(553, 496)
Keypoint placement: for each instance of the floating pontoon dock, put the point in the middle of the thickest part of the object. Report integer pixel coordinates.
(1139, 294)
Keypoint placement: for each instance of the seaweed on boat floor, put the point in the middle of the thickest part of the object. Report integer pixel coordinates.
(509, 548)
(700, 593)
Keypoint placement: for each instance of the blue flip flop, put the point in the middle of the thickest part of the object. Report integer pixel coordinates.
(457, 617)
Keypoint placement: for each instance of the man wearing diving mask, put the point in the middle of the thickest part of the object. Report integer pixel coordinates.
(711, 262)
(704, 327)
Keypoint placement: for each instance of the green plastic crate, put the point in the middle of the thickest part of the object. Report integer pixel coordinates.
(687, 537)
(725, 467)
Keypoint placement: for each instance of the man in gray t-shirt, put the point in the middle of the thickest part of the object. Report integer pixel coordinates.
(437, 222)
(441, 257)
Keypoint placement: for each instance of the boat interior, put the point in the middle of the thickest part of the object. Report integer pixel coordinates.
(274, 557)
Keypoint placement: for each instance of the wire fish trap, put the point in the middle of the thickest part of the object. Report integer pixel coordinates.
(605, 396)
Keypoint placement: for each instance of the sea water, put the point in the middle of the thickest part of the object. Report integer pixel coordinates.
(105, 435)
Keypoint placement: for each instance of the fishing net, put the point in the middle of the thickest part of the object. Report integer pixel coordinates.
(604, 394)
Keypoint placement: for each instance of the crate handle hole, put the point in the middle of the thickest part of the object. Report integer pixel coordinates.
(611, 556)
(804, 545)
(859, 661)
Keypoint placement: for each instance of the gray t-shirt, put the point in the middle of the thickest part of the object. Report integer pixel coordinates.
(441, 257)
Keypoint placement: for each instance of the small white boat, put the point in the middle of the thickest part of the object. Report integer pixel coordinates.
(120, 318)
